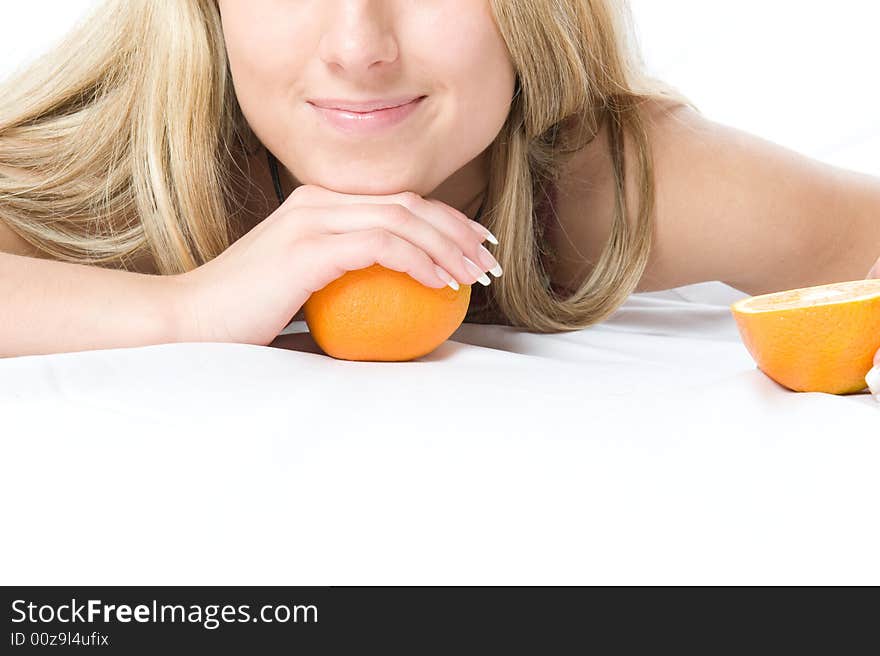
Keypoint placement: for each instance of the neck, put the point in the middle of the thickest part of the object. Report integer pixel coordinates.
(466, 189)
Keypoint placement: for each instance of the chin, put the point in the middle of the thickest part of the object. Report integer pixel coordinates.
(366, 186)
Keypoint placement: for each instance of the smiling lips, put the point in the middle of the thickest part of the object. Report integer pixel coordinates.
(362, 106)
(370, 117)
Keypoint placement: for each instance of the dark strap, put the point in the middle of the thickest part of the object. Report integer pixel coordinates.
(276, 179)
(480, 211)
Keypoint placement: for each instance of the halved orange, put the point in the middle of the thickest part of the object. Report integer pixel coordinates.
(382, 315)
(814, 339)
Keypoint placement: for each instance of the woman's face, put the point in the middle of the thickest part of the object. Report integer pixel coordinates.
(285, 53)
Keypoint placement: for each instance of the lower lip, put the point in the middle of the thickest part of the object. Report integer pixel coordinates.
(369, 122)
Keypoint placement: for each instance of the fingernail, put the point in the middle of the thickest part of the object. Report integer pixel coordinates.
(477, 271)
(445, 277)
(483, 230)
(489, 262)
(873, 381)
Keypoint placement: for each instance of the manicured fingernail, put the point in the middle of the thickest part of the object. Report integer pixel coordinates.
(445, 277)
(477, 271)
(489, 263)
(483, 230)
(873, 381)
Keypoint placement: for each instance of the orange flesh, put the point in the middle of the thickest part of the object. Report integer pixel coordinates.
(840, 292)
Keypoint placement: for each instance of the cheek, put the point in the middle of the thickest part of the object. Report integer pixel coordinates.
(261, 59)
(485, 80)
(263, 76)
(477, 66)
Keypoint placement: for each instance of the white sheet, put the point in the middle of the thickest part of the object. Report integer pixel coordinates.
(647, 449)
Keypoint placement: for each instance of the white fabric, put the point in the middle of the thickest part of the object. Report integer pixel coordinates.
(647, 449)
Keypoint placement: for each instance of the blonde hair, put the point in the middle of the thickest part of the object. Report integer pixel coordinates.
(123, 142)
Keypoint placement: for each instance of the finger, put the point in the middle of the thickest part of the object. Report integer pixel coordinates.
(478, 227)
(432, 209)
(461, 226)
(396, 219)
(363, 248)
(872, 380)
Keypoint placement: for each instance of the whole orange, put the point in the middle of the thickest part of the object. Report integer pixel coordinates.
(378, 314)
(814, 339)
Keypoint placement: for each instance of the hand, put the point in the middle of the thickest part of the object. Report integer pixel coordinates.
(252, 290)
(875, 270)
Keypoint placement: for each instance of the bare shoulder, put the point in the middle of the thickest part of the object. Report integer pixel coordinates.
(585, 197)
(729, 206)
(10, 241)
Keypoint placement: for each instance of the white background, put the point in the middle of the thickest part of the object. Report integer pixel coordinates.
(801, 73)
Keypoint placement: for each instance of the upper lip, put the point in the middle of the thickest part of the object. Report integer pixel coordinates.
(362, 106)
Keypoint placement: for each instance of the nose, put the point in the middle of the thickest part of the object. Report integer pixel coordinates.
(359, 36)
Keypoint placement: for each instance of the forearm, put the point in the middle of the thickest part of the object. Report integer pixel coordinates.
(48, 306)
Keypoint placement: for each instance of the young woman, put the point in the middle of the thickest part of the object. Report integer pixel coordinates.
(185, 170)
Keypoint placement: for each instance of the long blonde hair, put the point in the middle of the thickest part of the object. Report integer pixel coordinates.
(124, 142)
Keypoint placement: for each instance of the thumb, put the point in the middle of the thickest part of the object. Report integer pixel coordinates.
(875, 271)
